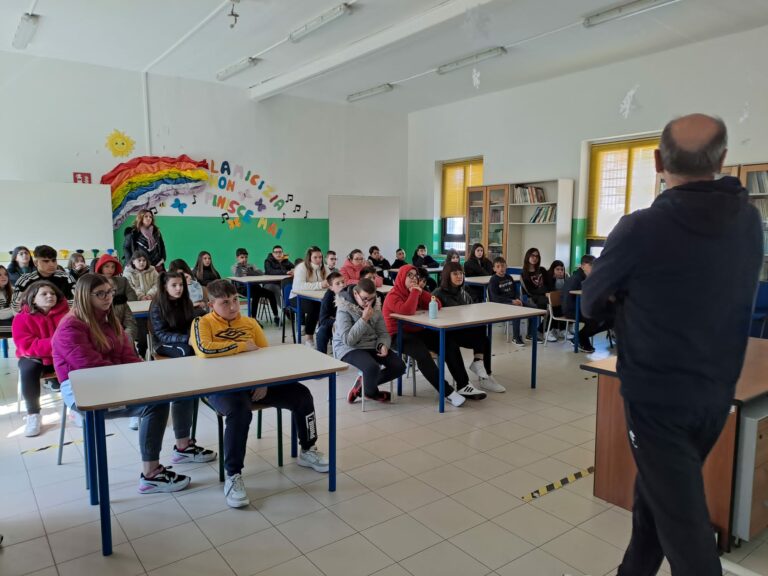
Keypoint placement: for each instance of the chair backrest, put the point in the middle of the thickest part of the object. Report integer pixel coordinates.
(287, 287)
(553, 298)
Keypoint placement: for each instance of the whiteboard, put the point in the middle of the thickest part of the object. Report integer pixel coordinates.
(363, 221)
(64, 216)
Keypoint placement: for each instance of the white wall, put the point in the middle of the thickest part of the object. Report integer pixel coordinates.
(55, 117)
(535, 132)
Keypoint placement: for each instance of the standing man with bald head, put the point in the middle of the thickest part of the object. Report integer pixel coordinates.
(681, 341)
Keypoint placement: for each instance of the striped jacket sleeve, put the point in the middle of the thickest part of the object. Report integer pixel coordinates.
(204, 342)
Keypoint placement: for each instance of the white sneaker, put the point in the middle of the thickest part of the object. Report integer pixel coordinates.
(308, 342)
(456, 399)
(491, 385)
(551, 337)
(34, 422)
(478, 368)
(234, 490)
(76, 418)
(472, 393)
(133, 422)
(313, 458)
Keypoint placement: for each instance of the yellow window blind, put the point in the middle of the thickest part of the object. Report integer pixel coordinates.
(622, 179)
(457, 177)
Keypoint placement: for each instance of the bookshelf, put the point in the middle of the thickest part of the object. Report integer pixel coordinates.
(754, 178)
(510, 218)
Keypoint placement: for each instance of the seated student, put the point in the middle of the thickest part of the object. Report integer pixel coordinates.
(370, 273)
(557, 278)
(477, 265)
(194, 289)
(110, 267)
(330, 261)
(310, 275)
(406, 297)
(399, 261)
(171, 314)
(205, 272)
(361, 339)
(535, 280)
(277, 263)
(224, 332)
(502, 289)
(6, 293)
(42, 309)
(91, 336)
(453, 293)
(20, 264)
(452, 256)
(46, 268)
(77, 265)
(354, 263)
(381, 264)
(269, 291)
(426, 282)
(328, 311)
(141, 276)
(591, 327)
(421, 259)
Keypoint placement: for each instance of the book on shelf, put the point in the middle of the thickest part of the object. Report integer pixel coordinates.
(757, 182)
(543, 215)
(762, 206)
(528, 195)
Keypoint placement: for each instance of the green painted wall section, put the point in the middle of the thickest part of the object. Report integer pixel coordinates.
(415, 232)
(186, 236)
(578, 240)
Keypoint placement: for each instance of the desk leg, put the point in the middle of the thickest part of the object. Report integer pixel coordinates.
(485, 292)
(576, 325)
(298, 318)
(441, 370)
(90, 457)
(101, 455)
(534, 346)
(400, 351)
(489, 335)
(248, 297)
(4, 346)
(332, 432)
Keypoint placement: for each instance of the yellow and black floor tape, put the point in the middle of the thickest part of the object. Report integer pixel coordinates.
(570, 479)
(43, 448)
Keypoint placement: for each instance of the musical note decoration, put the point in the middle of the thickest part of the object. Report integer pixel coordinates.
(297, 208)
(224, 217)
(306, 214)
(194, 198)
(283, 220)
(289, 198)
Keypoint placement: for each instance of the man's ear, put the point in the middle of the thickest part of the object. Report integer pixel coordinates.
(658, 162)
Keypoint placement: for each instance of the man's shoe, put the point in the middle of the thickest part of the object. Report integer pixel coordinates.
(456, 399)
(34, 423)
(518, 342)
(192, 453)
(356, 391)
(234, 491)
(472, 393)
(586, 347)
(164, 481)
(313, 458)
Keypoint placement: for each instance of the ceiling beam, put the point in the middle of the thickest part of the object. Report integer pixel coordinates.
(439, 14)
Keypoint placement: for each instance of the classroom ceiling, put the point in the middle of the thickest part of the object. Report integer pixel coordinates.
(380, 41)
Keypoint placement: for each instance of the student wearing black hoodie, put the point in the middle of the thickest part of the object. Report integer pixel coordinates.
(568, 302)
(477, 264)
(277, 263)
(376, 258)
(678, 378)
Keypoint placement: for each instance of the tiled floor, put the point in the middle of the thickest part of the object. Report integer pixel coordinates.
(418, 492)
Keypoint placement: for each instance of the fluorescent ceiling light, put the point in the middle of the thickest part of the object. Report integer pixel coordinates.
(471, 60)
(320, 21)
(370, 92)
(236, 68)
(624, 11)
(25, 31)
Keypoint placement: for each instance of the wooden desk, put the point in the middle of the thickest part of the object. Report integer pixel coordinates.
(263, 279)
(140, 308)
(615, 468)
(457, 317)
(98, 389)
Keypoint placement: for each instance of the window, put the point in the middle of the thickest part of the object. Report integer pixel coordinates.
(622, 179)
(457, 177)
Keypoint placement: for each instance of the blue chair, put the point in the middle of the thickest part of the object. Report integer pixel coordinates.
(289, 312)
(760, 310)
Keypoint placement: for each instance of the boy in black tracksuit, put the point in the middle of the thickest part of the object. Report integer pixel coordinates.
(568, 300)
(678, 378)
(324, 332)
(502, 289)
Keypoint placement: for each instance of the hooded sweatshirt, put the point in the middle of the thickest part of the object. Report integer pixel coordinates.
(32, 333)
(277, 267)
(682, 340)
(143, 282)
(124, 293)
(351, 331)
(351, 274)
(400, 300)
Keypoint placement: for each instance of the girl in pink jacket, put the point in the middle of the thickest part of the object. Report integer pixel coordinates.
(43, 307)
(354, 263)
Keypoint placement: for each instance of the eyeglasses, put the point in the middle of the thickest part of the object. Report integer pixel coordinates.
(412, 275)
(277, 251)
(357, 259)
(104, 294)
(369, 299)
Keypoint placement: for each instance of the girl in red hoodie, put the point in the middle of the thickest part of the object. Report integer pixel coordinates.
(43, 307)
(406, 298)
(352, 267)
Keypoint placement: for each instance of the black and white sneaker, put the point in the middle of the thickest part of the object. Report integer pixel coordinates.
(471, 393)
(518, 342)
(192, 453)
(164, 481)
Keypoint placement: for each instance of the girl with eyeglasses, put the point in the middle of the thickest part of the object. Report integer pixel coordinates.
(352, 267)
(536, 282)
(43, 307)
(91, 336)
(110, 267)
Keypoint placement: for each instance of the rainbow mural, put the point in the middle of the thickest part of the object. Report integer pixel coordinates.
(146, 181)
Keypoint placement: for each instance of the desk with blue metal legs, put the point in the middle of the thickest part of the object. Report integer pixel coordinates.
(248, 280)
(97, 390)
(470, 316)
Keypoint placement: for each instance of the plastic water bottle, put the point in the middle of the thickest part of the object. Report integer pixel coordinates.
(433, 308)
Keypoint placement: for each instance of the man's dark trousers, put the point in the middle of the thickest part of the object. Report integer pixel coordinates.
(670, 516)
